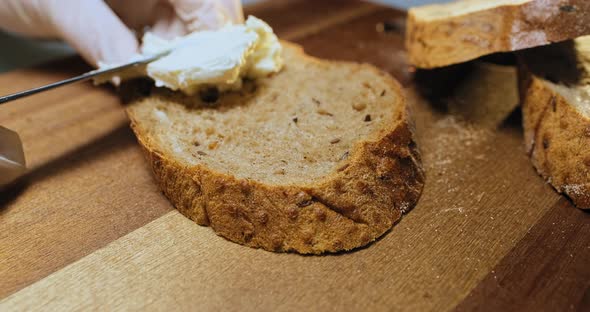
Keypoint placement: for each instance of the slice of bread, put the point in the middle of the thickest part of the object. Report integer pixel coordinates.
(444, 34)
(318, 158)
(555, 92)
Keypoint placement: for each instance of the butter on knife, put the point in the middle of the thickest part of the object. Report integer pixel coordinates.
(12, 157)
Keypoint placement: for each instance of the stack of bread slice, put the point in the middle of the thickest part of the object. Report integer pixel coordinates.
(554, 71)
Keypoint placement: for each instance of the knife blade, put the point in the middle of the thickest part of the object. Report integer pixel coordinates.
(84, 77)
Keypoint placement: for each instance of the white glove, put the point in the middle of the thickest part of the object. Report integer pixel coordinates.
(12, 158)
(107, 31)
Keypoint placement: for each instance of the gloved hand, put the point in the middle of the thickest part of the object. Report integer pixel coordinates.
(107, 31)
(102, 31)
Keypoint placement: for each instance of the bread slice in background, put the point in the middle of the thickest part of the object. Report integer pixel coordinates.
(555, 92)
(443, 34)
(318, 158)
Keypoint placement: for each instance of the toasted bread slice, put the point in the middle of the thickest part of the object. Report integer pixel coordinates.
(555, 92)
(318, 158)
(445, 34)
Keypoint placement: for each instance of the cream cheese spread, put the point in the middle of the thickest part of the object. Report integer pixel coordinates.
(213, 58)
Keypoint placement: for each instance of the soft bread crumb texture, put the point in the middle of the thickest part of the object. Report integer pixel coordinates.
(317, 158)
(446, 34)
(282, 136)
(555, 83)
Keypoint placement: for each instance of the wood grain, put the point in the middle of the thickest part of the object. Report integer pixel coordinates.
(74, 199)
(551, 261)
(307, 17)
(358, 40)
(88, 230)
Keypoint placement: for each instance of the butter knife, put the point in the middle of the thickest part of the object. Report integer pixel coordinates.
(83, 77)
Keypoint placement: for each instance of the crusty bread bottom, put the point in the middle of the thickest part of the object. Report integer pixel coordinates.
(348, 200)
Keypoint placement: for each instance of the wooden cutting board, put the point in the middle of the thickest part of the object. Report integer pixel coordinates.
(88, 229)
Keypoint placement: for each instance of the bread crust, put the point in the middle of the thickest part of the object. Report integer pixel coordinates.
(456, 39)
(557, 138)
(354, 205)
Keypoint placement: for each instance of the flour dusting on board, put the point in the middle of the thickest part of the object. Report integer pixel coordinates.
(455, 154)
(454, 135)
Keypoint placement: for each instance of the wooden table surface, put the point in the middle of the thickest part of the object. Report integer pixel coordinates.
(88, 229)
